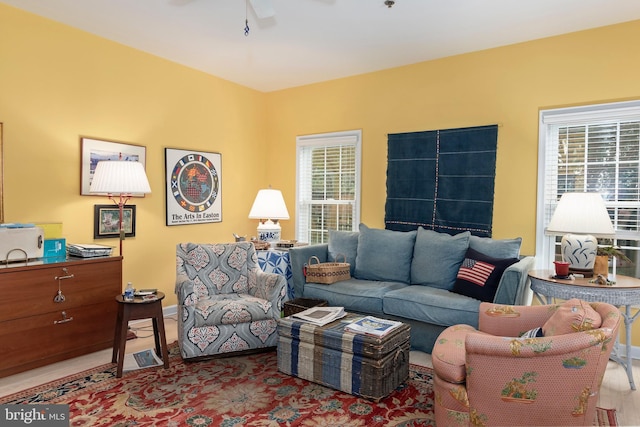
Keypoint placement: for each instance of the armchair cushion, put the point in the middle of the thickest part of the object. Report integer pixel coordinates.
(572, 316)
(231, 309)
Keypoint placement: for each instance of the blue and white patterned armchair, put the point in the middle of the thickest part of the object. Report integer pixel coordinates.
(226, 304)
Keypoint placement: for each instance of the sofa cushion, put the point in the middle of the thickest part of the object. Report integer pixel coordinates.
(479, 275)
(384, 254)
(572, 316)
(343, 243)
(363, 296)
(437, 258)
(496, 248)
(431, 305)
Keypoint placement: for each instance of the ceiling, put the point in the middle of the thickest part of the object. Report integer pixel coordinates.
(309, 41)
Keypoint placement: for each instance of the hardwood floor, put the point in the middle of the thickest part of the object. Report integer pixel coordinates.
(614, 392)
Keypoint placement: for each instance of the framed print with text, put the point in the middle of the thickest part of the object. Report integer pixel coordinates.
(106, 221)
(95, 150)
(194, 187)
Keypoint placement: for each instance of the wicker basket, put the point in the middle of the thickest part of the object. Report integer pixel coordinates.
(327, 272)
(297, 305)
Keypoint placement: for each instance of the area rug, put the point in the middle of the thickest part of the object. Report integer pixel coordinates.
(226, 392)
(232, 392)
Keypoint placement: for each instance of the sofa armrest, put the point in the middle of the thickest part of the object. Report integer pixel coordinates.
(513, 288)
(185, 291)
(298, 258)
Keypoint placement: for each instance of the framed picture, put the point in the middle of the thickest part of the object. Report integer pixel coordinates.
(106, 221)
(194, 187)
(95, 150)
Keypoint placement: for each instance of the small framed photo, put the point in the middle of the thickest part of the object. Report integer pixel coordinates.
(106, 221)
(95, 150)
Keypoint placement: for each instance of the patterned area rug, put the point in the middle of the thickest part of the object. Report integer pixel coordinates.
(226, 392)
(233, 392)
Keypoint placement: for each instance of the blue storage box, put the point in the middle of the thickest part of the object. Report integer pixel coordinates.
(55, 248)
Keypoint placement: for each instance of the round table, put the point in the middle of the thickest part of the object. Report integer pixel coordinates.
(139, 308)
(625, 292)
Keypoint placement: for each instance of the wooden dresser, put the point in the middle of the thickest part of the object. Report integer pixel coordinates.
(39, 325)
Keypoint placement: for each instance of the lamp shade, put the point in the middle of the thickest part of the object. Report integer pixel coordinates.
(581, 213)
(269, 204)
(119, 177)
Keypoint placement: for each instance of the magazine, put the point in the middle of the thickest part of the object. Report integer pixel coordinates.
(320, 315)
(141, 359)
(374, 326)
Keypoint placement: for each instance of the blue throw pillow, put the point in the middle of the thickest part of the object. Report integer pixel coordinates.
(505, 248)
(384, 254)
(437, 258)
(479, 275)
(343, 243)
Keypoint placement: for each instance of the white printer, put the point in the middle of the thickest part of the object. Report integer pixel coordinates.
(20, 242)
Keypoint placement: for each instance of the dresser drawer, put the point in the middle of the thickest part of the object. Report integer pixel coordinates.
(57, 335)
(81, 283)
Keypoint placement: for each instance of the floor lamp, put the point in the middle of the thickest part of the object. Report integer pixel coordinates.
(120, 179)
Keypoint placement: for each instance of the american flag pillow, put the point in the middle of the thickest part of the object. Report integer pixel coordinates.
(480, 274)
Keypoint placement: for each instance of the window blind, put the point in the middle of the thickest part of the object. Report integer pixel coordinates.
(328, 185)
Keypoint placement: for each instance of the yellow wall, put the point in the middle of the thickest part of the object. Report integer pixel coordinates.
(58, 83)
(507, 85)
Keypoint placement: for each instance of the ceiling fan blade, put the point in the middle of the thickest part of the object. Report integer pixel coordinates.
(263, 8)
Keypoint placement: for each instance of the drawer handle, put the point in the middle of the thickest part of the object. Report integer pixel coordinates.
(68, 276)
(65, 319)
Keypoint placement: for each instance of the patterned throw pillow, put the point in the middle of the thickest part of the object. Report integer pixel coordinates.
(572, 316)
(479, 275)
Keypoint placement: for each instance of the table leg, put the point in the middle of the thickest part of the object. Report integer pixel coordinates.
(123, 327)
(116, 339)
(160, 337)
(628, 322)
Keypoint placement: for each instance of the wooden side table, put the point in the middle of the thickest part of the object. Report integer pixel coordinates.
(625, 292)
(137, 309)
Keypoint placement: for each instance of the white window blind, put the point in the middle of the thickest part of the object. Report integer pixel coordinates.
(328, 185)
(592, 149)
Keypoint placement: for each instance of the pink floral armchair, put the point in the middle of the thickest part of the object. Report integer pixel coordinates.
(496, 376)
(226, 304)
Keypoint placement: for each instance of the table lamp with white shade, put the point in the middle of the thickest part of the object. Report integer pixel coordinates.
(121, 178)
(581, 218)
(269, 208)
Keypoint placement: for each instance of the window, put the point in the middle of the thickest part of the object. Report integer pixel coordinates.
(594, 149)
(328, 185)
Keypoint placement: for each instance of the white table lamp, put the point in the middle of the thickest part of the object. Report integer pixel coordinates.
(581, 218)
(269, 208)
(120, 178)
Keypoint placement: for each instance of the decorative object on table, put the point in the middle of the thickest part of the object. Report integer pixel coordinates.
(580, 218)
(602, 281)
(96, 150)
(121, 178)
(286, 244)
(327, 272)
(260, 245)
(562, 269)
(269, 207)
(106, 221)
(193, 187)
(606, 253)
(239, 238)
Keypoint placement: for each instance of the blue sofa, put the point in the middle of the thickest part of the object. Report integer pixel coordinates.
(427, 279)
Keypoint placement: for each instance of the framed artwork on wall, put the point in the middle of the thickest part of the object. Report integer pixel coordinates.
(194, 187)
(106, 221)
(95, 150)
